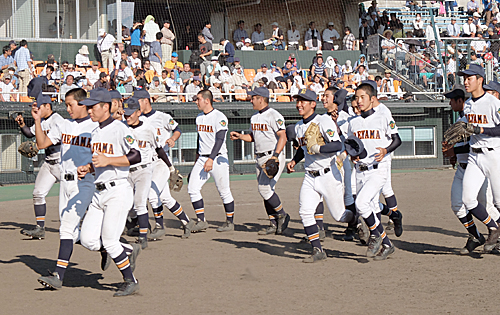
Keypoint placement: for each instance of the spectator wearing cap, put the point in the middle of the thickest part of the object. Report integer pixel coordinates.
(476, 20)
(472, 7)
(329, 35)
(227, 51)
(387, 85)
(374, 8)
(186, 73)
(388, 47)
(453, 29)
(158, 89)
(173, 63)
(92, 75)
(349, 39)
(238, 79)
(275, 69)
(479, 46)
(82, 58)
(493, 22)
(236, 63)
(264, 73)
(213, 68)
(166, 42)
(206, 32)
(469, 28)
(293, 36)
(105, 46)
(365, 31)
(258, 37)
(6, 87)
(247, 46)
(155, 54)
(277, 37)
(24, 64)
(216, 91)
(240, 34)
(103, 82)
(6, 58)
(312, 38)
(193, 88)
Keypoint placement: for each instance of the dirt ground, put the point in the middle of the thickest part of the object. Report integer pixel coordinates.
(244, 273)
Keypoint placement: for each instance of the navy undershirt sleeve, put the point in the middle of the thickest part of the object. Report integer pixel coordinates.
(219, 140)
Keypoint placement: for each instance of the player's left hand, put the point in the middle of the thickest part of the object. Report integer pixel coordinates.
(82, 170)
(100, 160)
(208, 165)
(380, 155)
(170, 142)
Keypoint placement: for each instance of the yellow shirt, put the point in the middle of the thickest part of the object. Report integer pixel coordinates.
(169, 65)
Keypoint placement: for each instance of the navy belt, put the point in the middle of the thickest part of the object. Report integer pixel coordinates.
(318, 173)
(364, 167)
(259, 155)
(102, 186)
(52, 162)
(480, 150)
(133, 169)
(69, 177)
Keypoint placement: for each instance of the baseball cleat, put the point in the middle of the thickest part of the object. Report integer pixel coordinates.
(131, 228)
(226, 227)
(472, 243)
(385, 252)
(143, 241)
(157, 232)
(350, 232)
(390, 225)
(52, 281)
(187, 229)
(136, 250)
(373, 246)
(200, 226)
(37, 232)
(105, 260)
(316, 256)
(397, 218)
(363, 231)
(492, 239)
(128, 287)
(282, 223)
(271, 229)
(322, 235)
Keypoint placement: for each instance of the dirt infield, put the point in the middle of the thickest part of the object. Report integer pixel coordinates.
(245, 273)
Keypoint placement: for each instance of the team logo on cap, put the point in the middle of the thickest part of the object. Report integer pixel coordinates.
(223, 123)
(125, 105)
(129, 139)
(392, 124)
(280, 122)
(88, 94)
(133, 93)
(171, 121)
(330, 132)
(303, 91)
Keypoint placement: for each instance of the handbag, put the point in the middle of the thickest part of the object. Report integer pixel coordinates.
(455, 4)
(120, 88)
(441, 8)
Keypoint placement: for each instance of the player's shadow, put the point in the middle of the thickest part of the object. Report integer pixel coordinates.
(17, 225)
(433, 229)
(74, 277)
(423, 248)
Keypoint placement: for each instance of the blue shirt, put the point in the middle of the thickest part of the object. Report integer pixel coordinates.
(135, 38)
(22, 57)
(5, 61)
(155, 48)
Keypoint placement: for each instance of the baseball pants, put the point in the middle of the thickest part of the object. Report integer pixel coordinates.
(160, 191)
(74, 199)
(481, 166)
(369, 185)
(485, 196)
(266, 184)
(387, 188)
(106, 218)
(46, 178)
(328, 186)
(140, 180)
(220, 173)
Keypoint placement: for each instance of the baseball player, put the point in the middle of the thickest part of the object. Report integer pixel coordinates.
(211, 160)
(269, 135)
(374, 134)
(459, 154)
(492, 88)
(50, 171)
(116, 105)
(113, 151)
(482, 111)
(74, 136)
(320, 180)
(167, 132)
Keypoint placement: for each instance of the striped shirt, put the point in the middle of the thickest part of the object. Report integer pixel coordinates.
(22, 58)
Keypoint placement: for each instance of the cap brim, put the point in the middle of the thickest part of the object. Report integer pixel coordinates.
(129, 111)
(89, 102)
(466, 72)
(303, 97)
(453, 94)
(487, 87)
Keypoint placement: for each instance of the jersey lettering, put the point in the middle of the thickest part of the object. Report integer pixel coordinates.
(205, 128)
(75, 140)
(477, 119)
(259, 127)
(158, 131)
(368, 134)
(141, 144)
(105, 148)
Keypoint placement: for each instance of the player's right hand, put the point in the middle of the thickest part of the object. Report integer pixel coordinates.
(234, 135)
(82, 171)
(35, 112)
(20, 120)
(290, 166)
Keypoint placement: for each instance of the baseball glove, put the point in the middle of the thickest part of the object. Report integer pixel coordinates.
(176, 181)
(314, 139)
(340, 160)
(28, 149)
(271, 167)
(459, 132)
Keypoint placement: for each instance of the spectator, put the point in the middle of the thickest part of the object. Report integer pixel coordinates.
(494, 43)
(396, 26)
(186, 73)
(125, 76)
(387, 85)
(374, 21)
(103, 82)
(448, 4)
(134, 61)
(227, 51)
(487, 11)
(151, 29)
(6, 58)
(82, 58)
(13, 47)
(205, 51)
(400, 57)
(336, 74)
(126, 36)
(166, 43)
(275, 69)
(373, 8)
(364, 32)
(329, 35)
(216, 92)
(92, 75)
(476, 20)
(349, 39)
(258, 38)
(105, 44)
(453, 29)
(240, 34)
(432, 51)
(265, 73)
(158, 89)
(155, 53)
(247, 46)
(238, 79)
(23, 62)
(135, 37)
(316, 86)
(426, 73)
(192, 89)
(418, 26)
(188, 38)
(360, 76)
(378, 80)
(479, 46)
(53, 28)
(472, 7)
(6, 87)
(288, 69)
(293, 36)
(174, 63)
(475, 60)
(388, 47)
(206, 33)
(147, 65)
(312, 38)
(451, 69)
(469, 29)
(277, 37)
(429, 34)
(347, 68)
(67, 86)
(330, 65)
(318, 68)
(140, 82)
(225, 79)
(119, 56)
(213, 67)
(384, 20)
(359, 62)
(493, 23)
(236, 63)
(164, 77)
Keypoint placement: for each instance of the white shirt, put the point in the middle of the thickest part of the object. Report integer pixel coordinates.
(125, 73)
(327, 34)
(6, 89)
(134, 63)
(246, 48)
(92, 76)
(105, 43)
(342, 119)
(478, 45)
(293, 37)
(484, 112)
(54, 151)
(82, 60)
(192, 90)
(469, 28)
(265, 124)
(207, 126)
(151, 28)
(145, 137)
(164, 125)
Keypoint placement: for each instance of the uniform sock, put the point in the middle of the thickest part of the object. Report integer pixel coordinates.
(372, 224)
(229, 208)
(468, 222)
(179, 213)
(199, 209)
(143, 224)
(318, 215)
(385, 210)
(354, 221)
(275, 202)
(379, 217)
(40, 211)
(480, 212)
(65, 251)
(392, 203)
(123, 263)
(158, 212)
(270, 212)
(312, 233)
(385, 239)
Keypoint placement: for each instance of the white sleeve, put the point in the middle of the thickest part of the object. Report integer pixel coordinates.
(55, 133)
(169, 123)
(328, 129)
(221, 123)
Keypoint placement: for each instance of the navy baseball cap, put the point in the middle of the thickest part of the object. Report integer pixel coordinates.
(354, 146)
(260, 91)
(457, 91)
(473, 70)
(96, 96)
(263, 65)
(492, 86)
(139, 94)
(306, 94)
(130, 105)
(372, 83)
(43, 99)
(290, 132)
(115, 94)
